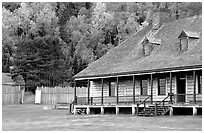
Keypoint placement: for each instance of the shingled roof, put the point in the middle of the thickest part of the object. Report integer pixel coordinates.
(6, 79)
(128, 57)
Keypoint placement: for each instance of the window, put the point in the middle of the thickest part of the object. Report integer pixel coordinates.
(184, 43)
(112, 86)
(187, 37)
(143, 87)
(146, 47)
(199, 84)
(149, 44)
(161, 86)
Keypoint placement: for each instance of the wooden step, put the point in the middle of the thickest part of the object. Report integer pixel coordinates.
(150, 111)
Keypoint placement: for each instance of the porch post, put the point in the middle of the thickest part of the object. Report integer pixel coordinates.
(101, 91)
(117, 99)
(133, 89)
(75, 102)
(88, 91)
(151, 82)
(194, 86)
(170, 87)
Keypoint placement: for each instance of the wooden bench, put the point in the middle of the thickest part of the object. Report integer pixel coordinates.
(62, 105)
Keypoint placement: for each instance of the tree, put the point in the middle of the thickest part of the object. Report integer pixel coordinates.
(12, 6)
(40, 61)
(52, 41)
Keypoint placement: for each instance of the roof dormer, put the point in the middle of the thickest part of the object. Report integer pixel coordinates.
(149, 43)
(186, 38)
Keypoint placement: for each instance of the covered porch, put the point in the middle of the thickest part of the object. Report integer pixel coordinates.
(186, 87)
(166, 88)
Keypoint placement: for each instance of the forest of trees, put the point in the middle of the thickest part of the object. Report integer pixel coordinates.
(48, 43)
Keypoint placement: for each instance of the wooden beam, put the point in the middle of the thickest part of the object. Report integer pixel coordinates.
(151, 83)
(194, 86)
(133, 89)
(88, 92)
(170, 87)
(140, 73)
(117, 99)
(75, 100)
(102, 91)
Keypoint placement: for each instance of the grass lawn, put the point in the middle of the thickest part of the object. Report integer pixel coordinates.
(30, 117)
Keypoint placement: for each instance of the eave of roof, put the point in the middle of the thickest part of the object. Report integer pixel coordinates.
(144, 72)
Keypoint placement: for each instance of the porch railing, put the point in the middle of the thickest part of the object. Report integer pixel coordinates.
(143, 102)
(112, 100)
(186, 98)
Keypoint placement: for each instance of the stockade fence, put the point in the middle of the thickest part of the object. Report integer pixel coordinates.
(11, 94)
(54, 95)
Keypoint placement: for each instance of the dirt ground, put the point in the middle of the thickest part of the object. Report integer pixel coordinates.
(30, 117)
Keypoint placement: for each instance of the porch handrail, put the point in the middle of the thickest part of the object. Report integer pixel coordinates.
(144, 101)
(163, 101)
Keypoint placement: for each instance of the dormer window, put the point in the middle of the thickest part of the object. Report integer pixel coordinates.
(149, 43)
(187, 37)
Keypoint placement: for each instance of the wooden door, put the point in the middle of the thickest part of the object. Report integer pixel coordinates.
(181, 89)
(112, 89)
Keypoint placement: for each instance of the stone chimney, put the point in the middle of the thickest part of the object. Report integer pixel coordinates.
(160, 16)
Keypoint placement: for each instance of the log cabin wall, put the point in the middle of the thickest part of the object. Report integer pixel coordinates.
(190, 87)
(157, 97)
(95, 88)
(126, 86)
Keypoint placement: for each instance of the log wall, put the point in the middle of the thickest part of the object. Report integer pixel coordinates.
(126, 87)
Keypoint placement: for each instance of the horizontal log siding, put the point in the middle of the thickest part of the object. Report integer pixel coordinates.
(137, 86)
(95, 88)
(190, 88)
(126, 88)
(173, 84)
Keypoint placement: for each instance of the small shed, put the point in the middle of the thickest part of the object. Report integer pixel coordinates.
(12, 89)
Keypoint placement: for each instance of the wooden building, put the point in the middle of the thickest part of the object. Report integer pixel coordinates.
(13, 89)
(157, 68)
